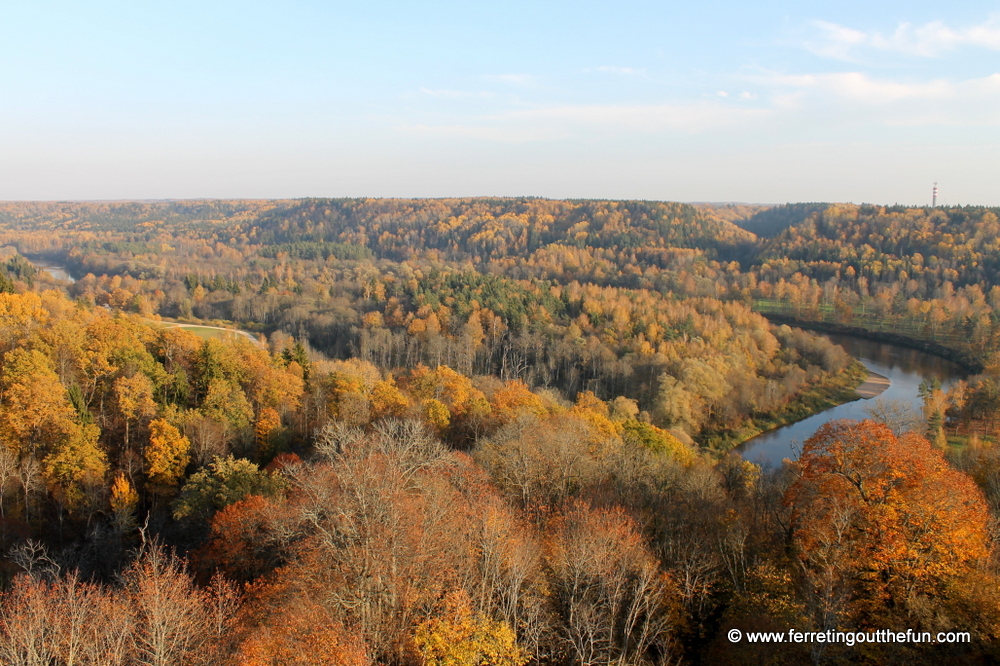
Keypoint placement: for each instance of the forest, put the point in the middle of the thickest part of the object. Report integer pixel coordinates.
(487, 431)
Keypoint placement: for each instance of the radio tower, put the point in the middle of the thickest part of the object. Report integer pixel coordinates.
(934, 197)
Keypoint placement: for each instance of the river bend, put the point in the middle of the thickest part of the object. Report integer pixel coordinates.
(904, 368)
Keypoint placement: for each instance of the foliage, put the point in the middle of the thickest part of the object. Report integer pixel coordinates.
(226, 481)
(500, 425)
(166, 456)
(465, 638)
(883, 516)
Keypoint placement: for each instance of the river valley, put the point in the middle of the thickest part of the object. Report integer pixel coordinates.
(904, 368)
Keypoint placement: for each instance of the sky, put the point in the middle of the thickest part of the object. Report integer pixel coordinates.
(768, 102)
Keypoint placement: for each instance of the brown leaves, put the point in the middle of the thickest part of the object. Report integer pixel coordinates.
(614, 599)
(158, 618)
(884, 515)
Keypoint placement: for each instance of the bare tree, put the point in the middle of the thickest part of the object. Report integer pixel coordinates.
(896, 414)
(172, 618)
(617, 605)
(8, 474)
(27, 624)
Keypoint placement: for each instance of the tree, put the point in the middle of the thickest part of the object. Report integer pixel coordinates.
(225, 481)
(75, 471)
(116, 347)
(8, 475)
(20, 314)
(167, 456)
(897, 415)
(935, 403)
(226, 402)
(63, 621)
(242, 543)
(124, 500)
(545, 461)
(289, 629)
(616, 603)
(268, 422)
(387, 400)
(35, 412)
(435, 413)
(656, 440)
(879, 520)
(172, 614)
(513, 399)
(461, 637)
(135, 399)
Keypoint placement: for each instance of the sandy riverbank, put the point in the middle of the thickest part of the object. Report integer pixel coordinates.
(875, 385)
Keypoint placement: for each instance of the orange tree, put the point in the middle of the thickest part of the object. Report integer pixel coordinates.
(881, 524)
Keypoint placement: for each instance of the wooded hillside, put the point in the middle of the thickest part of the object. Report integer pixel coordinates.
(482, 431)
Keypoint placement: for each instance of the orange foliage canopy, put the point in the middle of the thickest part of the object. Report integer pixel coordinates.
(887, 513)
(300, 633)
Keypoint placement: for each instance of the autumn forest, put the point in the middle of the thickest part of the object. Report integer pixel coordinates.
(488, 431)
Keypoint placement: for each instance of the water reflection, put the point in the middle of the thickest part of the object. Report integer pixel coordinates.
(905, 368)
(56, 271)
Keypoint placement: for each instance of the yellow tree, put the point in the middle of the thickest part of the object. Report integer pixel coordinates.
(178, 348)
(265, 384)
(75, 471)
(444, 389)
(226, 402)
(20, 314)
(436, 414)
(35, 412)
(461, 637)
(166, 457)
(268, 421)
(596, 412)
(124, 499)
(135, 399)
(513, 399)
(388, 400)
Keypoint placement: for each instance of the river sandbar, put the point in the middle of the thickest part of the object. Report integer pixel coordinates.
(875, 385)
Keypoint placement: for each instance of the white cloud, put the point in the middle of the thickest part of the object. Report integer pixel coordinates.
(928, 40)
(856, 95)
(454, 94)
(623, 71)
(564, 121)
(859, 87)
(836, 41)
(649, 118)
(843, 98)
(987, 84)
(812, 100)
(856, 87)
(523, 80)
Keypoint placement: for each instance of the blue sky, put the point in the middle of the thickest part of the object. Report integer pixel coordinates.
(711, 101)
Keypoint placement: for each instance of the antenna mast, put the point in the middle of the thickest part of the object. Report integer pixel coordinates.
(934, 197)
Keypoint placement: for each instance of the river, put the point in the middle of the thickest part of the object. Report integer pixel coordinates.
(55, 270)
(905, 369)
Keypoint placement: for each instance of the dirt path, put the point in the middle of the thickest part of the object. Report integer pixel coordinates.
(873, 386)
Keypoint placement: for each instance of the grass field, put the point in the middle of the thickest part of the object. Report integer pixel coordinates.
(208, 332)
(205, 332)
